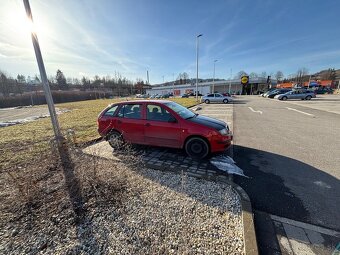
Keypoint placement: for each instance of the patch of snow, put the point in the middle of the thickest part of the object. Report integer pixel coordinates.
(226, 164)
(28, 119)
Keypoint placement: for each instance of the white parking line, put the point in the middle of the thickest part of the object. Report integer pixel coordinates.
(292, 109)
(254, 110)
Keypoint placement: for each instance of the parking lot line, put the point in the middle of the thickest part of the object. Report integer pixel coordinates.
(292, 109)
(254, 110)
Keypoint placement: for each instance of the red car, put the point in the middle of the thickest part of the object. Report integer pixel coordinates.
(165, 124)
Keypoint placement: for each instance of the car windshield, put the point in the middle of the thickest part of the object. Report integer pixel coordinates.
(180, 110)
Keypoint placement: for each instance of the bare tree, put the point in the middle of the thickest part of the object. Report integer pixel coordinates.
(279, 75)
(240, 74)
(253, 75)
(301, 75)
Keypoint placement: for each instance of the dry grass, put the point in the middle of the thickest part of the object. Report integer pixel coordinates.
(115, 208)
(16, 141)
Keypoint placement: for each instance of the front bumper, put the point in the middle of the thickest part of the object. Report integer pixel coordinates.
(220, 143)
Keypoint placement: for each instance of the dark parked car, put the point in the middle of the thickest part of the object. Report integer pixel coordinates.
(185, 96)
(163, 123)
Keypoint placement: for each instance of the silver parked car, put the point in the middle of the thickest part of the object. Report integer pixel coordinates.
(297, 94)
(216, 98)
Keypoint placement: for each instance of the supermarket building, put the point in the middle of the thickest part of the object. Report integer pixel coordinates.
(255, 86)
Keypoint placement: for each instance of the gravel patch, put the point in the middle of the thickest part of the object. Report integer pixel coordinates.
(126, 209)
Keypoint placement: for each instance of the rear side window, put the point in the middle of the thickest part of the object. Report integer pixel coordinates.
(111, 111)
(210, 95)
(130, 111)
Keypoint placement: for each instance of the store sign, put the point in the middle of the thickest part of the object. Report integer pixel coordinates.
(244, 80)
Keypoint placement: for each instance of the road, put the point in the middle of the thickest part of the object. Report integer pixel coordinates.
(17, 115)
(291, 154)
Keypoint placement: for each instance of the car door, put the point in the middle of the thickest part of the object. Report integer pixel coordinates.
(297, 94)
(291, 95)
(108, 120)
(161, 127)
(130, 122)
(218, 97)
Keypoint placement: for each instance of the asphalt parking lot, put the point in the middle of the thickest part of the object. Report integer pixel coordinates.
(328, 103)
(289, 150)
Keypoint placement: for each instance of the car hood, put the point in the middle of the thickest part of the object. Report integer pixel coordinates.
(208, 122)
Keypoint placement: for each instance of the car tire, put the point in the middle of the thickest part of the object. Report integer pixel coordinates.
(197, 148)
(308, 97)
(225, 101)
(115, 140)
(207, 101)
(284, 98)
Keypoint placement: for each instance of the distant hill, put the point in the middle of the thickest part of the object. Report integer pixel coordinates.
(327, 74)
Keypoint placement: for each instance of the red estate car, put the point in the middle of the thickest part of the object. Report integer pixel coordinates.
(165, 124)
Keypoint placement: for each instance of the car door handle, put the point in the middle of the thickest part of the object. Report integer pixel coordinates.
(147, 124)
(119, 122)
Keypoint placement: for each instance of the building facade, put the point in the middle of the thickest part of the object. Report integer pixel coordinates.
(234, 86)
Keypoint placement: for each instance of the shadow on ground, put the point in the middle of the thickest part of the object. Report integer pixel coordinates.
(269, 193)
(85, 231)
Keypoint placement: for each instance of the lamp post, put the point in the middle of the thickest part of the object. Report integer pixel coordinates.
(197, 44)
(213, 88)
(43, 76)
(231, 75)
(173, 85)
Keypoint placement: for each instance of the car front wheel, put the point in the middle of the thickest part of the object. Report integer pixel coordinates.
(308, 97)
(115, 140)
(207, 101)
(284, 98)
(225, 101)
(197, 147)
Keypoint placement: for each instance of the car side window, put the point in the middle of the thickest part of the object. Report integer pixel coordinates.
(130, 111)
(111, 111)
(217, 95)
(157, 113)
(211, 95)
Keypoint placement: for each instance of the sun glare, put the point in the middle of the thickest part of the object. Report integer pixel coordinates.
(19, 22)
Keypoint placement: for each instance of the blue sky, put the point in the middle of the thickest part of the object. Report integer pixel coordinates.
(91, 37)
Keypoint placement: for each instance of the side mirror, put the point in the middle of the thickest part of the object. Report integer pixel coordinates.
(172, 119)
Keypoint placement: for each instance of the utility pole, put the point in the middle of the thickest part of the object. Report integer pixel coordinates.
(43, 76)
(173, 85)
(147, 77)
(231, 75)
(213, 90)
(197, 37)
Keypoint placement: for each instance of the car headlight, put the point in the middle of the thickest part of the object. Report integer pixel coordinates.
(224, 131)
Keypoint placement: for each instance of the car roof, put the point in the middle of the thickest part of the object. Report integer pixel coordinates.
(144, 101)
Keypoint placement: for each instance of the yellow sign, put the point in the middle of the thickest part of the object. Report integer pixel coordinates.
(244, 79)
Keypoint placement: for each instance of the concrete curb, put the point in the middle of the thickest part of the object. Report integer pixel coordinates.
(250, 243)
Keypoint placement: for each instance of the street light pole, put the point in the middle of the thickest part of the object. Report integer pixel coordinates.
(231, 75)
(173, 85)
(213, 90)
(43, 76)
(197, 65)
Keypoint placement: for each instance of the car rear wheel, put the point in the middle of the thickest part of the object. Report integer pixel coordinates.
(284, 98)
(207, 101)
(115, 140)
(225, 101)
(197, 147)
(308, 97)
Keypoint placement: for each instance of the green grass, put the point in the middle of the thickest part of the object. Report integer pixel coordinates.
(22, 143)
